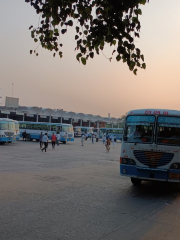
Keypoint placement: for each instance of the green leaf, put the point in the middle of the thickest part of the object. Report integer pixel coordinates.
(118, 58)
(142, 57)
(63, 31)
(114, 42)
(35, 39)
(135, 71)
(78, 56)
(70, 23)
(88, 10)
(144, 65)
(56, 30)
(83, 60)
(31, 51)
(85, 32)
(77, 29)
(91, 54)
(76, 37)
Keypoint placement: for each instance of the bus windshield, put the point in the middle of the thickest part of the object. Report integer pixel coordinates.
(168, 130)
(139, 129)
(67, 128)
(7, 125)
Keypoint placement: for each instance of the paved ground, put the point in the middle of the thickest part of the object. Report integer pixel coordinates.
(75, 192)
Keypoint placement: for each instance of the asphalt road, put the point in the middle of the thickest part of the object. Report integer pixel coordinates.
(75, 192)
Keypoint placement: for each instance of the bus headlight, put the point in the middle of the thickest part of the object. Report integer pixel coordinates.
(128, 161)
(131, 162)
(124, 161)
(175, 166)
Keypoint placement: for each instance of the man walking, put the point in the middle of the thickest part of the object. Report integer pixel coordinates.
(58, 138)
(40, 140)
(82, 140)
(45, 142)
(24, 135)
(53, 139)
(93, 138)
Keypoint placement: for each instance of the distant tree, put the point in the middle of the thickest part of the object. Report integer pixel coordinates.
(97, 22)
(123, 116)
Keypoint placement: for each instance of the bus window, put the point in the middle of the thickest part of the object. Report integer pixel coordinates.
(53, 127)
(29, 126)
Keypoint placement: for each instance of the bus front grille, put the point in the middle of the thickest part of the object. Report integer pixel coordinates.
(153, 159)
(70, 135)
(9, 134)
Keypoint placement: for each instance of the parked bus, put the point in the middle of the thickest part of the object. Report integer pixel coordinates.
(33, 130)
(151, 146)
(78, 131)
(16, 132)
(111, 131)
(7, 130)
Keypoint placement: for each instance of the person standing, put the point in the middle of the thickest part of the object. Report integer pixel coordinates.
(104, 139)
(40, 140)
(112, 139)
(97, 137)
(108, 142)
(24, 135)
(93, 138)
(82, 140)
(66, 138)
(53, 140)
(86, 136)
(45, 142)
(58, 138)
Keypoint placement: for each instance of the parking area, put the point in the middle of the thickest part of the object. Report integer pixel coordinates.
(75, 192)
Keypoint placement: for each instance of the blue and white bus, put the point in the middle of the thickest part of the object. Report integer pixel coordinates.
(79, 130)
(118, 132)
(34, 129)
(7, 130)
(150, 147)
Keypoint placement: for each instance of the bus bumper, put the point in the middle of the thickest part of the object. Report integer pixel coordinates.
(168, 175)
(68, 139)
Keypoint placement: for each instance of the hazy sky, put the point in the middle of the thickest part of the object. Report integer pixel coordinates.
(100, 87)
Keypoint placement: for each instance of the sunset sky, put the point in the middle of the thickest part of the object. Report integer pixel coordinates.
(100, 87)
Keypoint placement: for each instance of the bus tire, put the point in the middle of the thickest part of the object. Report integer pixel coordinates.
(28, 138)
(64, 142)
(37, 140)
(9, 141)
(136, 181)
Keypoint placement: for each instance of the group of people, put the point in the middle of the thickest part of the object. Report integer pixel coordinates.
(43, 140)
(107, 139)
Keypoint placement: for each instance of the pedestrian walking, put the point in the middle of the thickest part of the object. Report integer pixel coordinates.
(24, 135)
(58, 138)
(112, 139)
(40, 140)
(45, 142)
(82, 140)
(86, 136)
(53, 140)
(66, 137)
(114, 142)
(104, 139)
(115, 138)
(108, 142)
(92, 138)
(97, 137)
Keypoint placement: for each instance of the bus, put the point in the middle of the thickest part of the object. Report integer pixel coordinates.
(16, 132)
(7, 130)
(79, 130)
(111, 131)
(150, 147)
(34, 129)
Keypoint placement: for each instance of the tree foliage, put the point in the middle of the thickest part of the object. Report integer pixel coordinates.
(97, 22)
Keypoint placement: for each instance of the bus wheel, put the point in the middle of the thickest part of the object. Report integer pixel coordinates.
(37, 140)
(64, 142)
(136, 181)
(28, 138)
(9, 141)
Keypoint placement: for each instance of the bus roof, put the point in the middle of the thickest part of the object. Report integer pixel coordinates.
(64, 124)
(112, 128)
(154, 111)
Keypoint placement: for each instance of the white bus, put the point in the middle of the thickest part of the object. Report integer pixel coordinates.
(34, 129)
(7, 130)
(118, 132)
(79, 130)
(150, 147)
